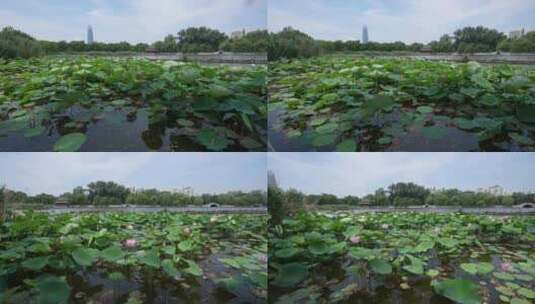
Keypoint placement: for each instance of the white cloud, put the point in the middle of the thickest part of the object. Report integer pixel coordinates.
(354, 173)
(56, 173)
(138, 20)
(409, 20)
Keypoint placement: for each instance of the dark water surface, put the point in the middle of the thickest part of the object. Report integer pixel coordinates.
(107, 129)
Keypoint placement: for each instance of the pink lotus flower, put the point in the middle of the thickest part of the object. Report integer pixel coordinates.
(130, 243)
(354, 239)
(263, 258)
(506, 266)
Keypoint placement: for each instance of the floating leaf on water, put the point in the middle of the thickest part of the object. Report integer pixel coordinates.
(384, 140)
(459, 290)
(287, 252)
(116, 276)
(530, 294)
(151, 258)
(294, 133)
(324, 140)
(35, 264)
(250, 143)
(185, 245)
(504, 276)
(212, 140)
(70, 142)
(85, 256)
(380, 266)
(432, 273)
(348, 145)
(318, 121)
(33, 132)
(290, 275)
(362, 253)
(193, 269)
(519, 301)
(112, 254)
(464, 124)
(53, 290)
(119, 102)
(169, 267)
(425, 109)
(434, 132)
(521, 139)
(185, 122)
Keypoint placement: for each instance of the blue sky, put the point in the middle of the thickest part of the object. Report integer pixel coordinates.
(56, 173)
(128, 20)
(398, 20)
(362, 173)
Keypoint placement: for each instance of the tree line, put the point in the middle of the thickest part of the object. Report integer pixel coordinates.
(395, 195)
(104, 193)
(17, 44)
(291, 43)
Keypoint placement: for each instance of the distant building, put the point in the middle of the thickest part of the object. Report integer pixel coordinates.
(90, 37)
(272, 180)
(238, 34)
(517, 34)
(494, 190)
(365, 38)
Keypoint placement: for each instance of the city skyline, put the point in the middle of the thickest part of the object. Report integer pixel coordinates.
(408, 21)
(344, 174)
(136, 21)
(90, 37)
(56, 173)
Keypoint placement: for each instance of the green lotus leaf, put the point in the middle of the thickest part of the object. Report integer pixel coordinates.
(85, 256)
(459, 290)
(290, 275)
(53, 290)
(380, 266)
(70, 142)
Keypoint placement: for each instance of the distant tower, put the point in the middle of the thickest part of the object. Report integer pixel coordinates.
(272, 180)
(365, 34)
(90, 35)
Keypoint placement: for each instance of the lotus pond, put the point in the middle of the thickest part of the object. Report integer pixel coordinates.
(103, 104)
(402, 258)
(133, 258)
(393, 104)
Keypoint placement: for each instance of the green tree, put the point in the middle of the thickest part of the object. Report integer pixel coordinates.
(256, 41)
(275, 205)
(101, 192)
(17, 44)
(477, 39)
(290, 43)
(200, 39)
(444, 45)
(168, 45)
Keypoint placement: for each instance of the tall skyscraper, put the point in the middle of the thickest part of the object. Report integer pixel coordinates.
(90, 37)
(365, 34)
(272, 180)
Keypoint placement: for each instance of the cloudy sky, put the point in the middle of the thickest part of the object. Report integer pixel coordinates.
(128, 20)
(362, 173)
(397, 20)
(56, 173)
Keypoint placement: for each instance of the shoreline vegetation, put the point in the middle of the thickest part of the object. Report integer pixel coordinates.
(293, 43)
(398, 196)
(102, 194)
(17, 44)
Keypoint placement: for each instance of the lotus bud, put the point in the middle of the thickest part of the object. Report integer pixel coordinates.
(130, 243)
(354, 239)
